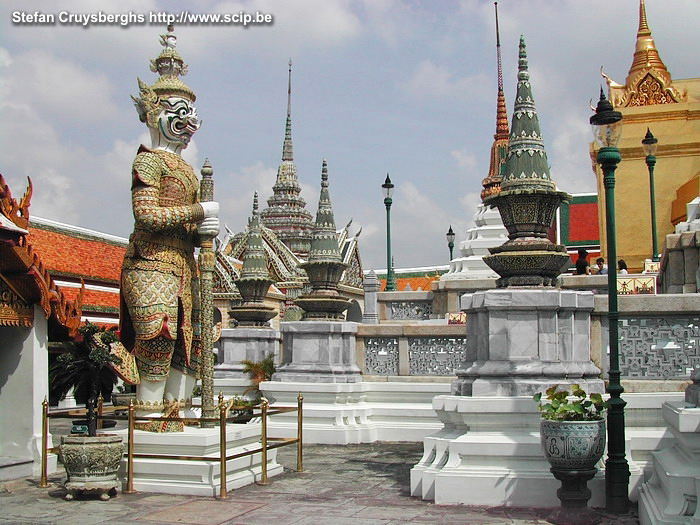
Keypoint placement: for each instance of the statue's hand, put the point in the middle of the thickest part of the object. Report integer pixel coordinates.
(209, 227)
(211, 209)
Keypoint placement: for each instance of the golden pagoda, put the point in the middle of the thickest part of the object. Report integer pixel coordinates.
(670, 108)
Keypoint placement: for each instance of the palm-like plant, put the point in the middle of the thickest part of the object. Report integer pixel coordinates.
(259, 371)
(84, 369)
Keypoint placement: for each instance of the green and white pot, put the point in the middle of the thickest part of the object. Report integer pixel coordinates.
(573, 445)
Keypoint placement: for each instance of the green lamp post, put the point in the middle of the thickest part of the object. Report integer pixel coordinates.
(649, 143)
(607, 128)
(450, 241)
(388, 189)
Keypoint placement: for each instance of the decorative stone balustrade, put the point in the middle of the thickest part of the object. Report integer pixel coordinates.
(659, 340)
(405, 306)
(396, 350)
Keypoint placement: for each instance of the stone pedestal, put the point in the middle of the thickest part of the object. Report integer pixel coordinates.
(318, 352)
(196, 478)
(521, 341)
(237, 344)
(671, 495)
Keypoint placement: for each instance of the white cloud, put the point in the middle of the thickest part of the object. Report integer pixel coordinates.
(297, 26)
(464, 159)
(81, 95)
(432, 80)
(234, 191)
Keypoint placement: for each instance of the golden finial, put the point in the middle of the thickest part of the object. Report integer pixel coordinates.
(643, 25)
(646, 56)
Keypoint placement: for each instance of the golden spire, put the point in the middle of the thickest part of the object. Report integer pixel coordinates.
(492, 183)
(646, 56)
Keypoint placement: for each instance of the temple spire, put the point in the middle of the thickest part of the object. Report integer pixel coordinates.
(526, 163)
(287, 149)
(286, 213)
(646, 56)
(501, 113)
(492, 182)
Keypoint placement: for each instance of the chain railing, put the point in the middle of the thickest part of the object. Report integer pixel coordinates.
(266, 442)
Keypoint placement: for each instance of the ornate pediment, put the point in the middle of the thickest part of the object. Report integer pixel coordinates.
(648, 89)
(14, 311)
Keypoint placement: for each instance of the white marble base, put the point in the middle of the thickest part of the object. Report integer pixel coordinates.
(522, 340)
(342, 413)
(198, 478)
(318, 352)
(671, 495)
(232, 386)
(237, 344)
(489, 453)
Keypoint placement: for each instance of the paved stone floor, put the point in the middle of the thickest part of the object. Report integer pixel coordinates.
(354, 484)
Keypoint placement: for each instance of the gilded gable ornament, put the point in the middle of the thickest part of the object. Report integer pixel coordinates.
(648, 81)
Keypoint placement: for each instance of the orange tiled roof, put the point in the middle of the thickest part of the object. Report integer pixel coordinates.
(415, 282)
(93, 298)
(65, 254)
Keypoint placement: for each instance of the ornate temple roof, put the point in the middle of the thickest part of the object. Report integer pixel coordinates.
(286, 213)
(648, 81)
(526, 164)
(24, 278)
(499, 148)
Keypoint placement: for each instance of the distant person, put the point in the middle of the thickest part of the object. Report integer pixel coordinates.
(581, 263)
(622, 266)
(600, 267)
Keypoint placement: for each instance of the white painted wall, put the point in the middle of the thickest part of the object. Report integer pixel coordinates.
(24, 383)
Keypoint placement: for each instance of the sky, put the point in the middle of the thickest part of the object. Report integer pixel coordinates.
(378, 86)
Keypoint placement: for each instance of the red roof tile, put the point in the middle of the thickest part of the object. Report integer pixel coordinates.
(416, 282)
(62, 253)
(93, 298)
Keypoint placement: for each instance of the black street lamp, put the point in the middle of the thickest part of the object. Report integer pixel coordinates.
(649, 143)
(450, 240)
(607, 128)
(388, 190)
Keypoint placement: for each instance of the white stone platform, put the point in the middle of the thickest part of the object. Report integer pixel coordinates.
(342, 413)
(198, 478)
(489, 452)
(671, 495)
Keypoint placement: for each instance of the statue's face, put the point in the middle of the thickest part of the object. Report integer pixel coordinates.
(178, 120)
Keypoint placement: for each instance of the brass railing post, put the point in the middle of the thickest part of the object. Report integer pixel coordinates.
(130, 451)
(44, 443)
(223, 492)
(264, 405)
(300, 424)
(100, 406)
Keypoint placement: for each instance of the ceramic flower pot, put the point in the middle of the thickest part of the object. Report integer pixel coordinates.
(573, 445)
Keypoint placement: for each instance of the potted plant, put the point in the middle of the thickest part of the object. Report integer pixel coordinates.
(91, 461)
(572, 427)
